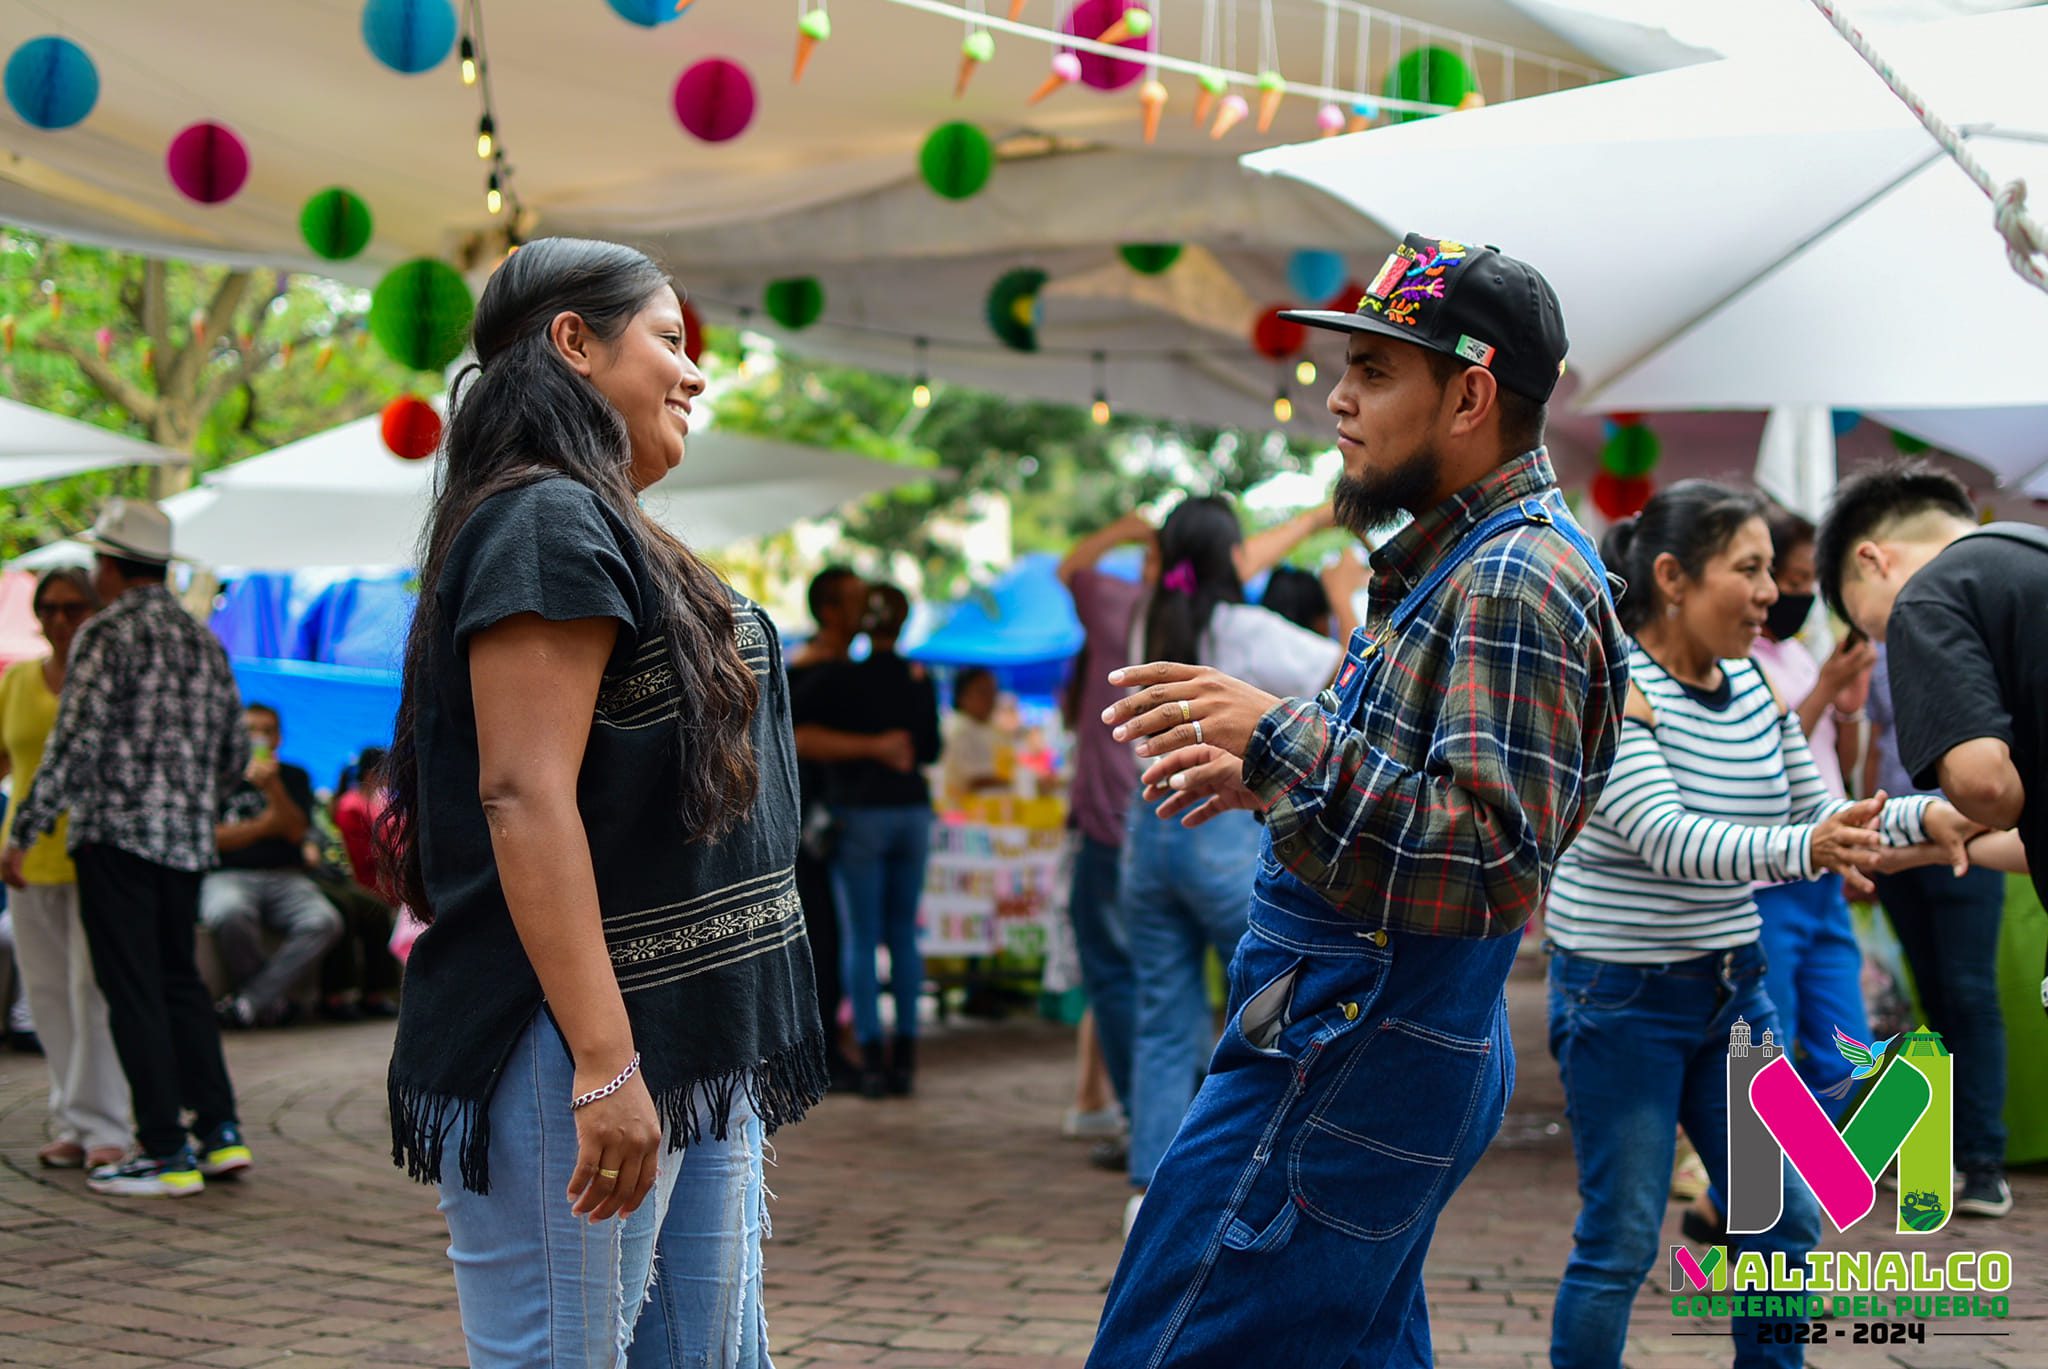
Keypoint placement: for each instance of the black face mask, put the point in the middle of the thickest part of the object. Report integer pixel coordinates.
(1788, 615)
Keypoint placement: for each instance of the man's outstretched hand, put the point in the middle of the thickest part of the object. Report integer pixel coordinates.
(1196, 783)
(1171, 699)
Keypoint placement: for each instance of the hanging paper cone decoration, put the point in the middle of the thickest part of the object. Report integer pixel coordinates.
(409, 36)
(1330, 119)
(1092, 17)
(1017, 8)
(1066, 69)
(714, 100)
(1909, 445)
(814, 28)
(693, 334)
(1013, 312)
(647, 13)
(1473, 100)
(957, 160)
(1845, 421)
(1153, 96)
(978, 48)
(1276, 338)
(335, 224)
(1132, 23)
(1313, 274)
(208, 163)
(52, 83)
(1232, 112)
(420, 314)
(1272, 89)
(795, 303)
(1208, 86)
(1632, 451)
(1362, 115)
(1618, 496)
(1150, 258)
(1431, 75)
(411, 428)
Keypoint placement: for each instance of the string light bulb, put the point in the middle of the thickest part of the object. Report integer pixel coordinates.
(1305, 372)
(468, 51)
(921, 392)
(486, 138)
(494, 197)
(1283, 407)
(1099, 410)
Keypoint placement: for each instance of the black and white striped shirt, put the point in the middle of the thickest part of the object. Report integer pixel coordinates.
(1720, 795)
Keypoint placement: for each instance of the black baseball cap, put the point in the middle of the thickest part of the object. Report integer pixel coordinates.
(1473, 303)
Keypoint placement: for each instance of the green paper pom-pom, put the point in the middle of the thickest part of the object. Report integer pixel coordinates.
(420, 314)
(335, 224)
(957, 160)
(1908, 445)
(795, 303)
(1631, 452)
(1150, 258)
(1013, 308)
(1431, 75)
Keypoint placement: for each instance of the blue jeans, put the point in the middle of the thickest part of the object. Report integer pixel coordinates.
(879, 866)
(1643, 1050)
(1183, 892)
(1948, 928)
(679, 1281)
(1289, 1222)
(1814, 976)
(1106, 972)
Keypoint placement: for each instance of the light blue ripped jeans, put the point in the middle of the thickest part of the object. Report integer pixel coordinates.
(677, 1283)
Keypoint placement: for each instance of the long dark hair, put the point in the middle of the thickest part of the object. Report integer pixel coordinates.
(527, 417)
(1199, 540)
(1693, 520)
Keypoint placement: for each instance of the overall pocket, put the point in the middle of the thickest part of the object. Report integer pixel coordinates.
(1389, 1125)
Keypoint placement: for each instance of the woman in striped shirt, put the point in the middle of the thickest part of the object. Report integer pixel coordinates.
(1713, 790)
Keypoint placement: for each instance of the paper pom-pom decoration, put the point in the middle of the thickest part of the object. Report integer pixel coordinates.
(411, 428)
(1277, 338)
(1345, 301)
(1631, 451)
(714, 100)
(1013, 308)
(1845, 421)
(693, 334)
(1909, 445)
(957, 160)
(1618, 496)
(1150, 258)
(208, 163)
(335, 224)
(1429, 75)
(420, 314)
(409, 36)
(52, 83)
(1091, 18)
(648, 13)
(796, 303)
(1313, 274)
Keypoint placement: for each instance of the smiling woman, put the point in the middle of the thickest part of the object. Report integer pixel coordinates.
(593, 802)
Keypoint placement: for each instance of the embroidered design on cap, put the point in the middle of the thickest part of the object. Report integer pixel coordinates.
(1475, 351)
(1410, 278)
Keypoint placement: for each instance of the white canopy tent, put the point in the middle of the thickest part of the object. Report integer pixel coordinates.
(37, 445)
(340, 498)
(1747, 234)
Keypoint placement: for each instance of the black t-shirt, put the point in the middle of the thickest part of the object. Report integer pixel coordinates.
(804, 708)
(245, 803)
(884, 693)
(1967, 654)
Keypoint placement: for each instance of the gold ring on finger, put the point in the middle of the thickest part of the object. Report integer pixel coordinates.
(1186, 714)
(607, 1174)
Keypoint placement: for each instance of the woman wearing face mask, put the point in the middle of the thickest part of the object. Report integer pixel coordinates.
(1713, 790)
(593, 800)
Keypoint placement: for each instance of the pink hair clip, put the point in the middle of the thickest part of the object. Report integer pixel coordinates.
(1181, 579)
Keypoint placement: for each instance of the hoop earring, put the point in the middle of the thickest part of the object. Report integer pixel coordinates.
(1671, 610)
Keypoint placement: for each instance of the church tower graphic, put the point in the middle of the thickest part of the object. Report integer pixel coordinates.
(1755, 1195)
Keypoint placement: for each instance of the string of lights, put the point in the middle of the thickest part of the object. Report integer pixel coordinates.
(474, 56)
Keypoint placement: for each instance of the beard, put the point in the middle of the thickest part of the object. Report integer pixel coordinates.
(1378, 498)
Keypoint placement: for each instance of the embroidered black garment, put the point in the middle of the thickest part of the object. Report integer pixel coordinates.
(707, 939)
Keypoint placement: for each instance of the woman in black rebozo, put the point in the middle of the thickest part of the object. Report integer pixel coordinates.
(593, 800)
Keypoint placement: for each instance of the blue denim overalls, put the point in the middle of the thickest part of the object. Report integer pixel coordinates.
(1362, 1074)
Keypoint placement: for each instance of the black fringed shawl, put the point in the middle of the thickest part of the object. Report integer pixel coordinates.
(707, 940)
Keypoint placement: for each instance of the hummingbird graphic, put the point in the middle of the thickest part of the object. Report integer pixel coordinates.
(1868, 1060)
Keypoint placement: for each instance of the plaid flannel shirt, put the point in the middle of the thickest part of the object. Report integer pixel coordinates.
(1481, 745)
(148, 738)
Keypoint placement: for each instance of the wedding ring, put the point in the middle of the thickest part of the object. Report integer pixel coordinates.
(1186, 714)
(1198, 732)
(607, 1174)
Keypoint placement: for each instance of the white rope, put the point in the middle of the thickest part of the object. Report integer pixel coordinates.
(2026, 242)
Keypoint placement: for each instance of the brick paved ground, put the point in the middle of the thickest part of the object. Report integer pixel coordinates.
(956, 1229)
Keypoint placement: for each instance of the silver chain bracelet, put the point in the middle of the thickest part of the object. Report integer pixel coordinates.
(584, 1100)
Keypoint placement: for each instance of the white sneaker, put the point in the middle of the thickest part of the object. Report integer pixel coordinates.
(1092, 1126)
(1131, 1213)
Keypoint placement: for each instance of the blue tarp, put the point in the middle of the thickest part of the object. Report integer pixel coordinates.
(330, 713)
(1022, 627)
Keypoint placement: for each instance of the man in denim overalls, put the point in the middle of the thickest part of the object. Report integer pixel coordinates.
(1414, 814)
